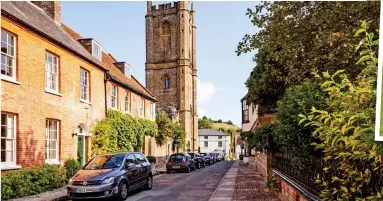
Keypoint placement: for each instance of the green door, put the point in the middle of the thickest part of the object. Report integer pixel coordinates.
(80, 149)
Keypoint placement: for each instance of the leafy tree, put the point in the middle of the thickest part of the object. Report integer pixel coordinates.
(229, 122)
(346, 128)
(219, 121)
(179, 136)
(205, 124)
(298, 99)
(204, 118)
(165, 128)
(297, 38)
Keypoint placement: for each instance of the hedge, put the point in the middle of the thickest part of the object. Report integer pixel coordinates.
(25, 182)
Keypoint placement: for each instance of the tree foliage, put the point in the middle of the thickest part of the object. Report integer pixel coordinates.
(179, 136)
(165, 128)
(297, 38)
(205, 124)
(346, 130)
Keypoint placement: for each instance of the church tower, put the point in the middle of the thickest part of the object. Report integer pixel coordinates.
(171, 72)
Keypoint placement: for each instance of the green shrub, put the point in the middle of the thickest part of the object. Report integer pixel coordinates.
(151, 159)
(21, 183)
(71, 167)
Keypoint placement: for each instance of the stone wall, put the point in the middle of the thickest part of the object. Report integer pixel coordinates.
(261, 163)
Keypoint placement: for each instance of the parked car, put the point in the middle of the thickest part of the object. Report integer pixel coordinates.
(111, 175)
(206, 158)
(213, 157)
(199, 161)
(219, 156)
(180, 162)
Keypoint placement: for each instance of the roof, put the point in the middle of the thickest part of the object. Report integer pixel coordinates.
(210, 132)
(34, 18)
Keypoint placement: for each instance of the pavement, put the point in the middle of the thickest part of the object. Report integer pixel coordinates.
(225, 189)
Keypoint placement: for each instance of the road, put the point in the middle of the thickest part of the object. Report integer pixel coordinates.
(198, 185)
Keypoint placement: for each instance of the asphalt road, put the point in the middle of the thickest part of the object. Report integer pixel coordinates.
(198, 185)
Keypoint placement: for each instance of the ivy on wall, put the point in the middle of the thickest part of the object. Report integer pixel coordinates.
(121, 132)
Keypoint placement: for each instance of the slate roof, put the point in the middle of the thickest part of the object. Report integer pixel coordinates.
(34, 18)
(210, 132)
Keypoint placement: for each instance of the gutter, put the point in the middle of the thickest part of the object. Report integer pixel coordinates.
(115, 79)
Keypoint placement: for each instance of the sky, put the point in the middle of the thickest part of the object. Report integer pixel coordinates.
(120, 28)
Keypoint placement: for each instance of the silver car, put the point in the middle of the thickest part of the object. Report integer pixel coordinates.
(111, 175)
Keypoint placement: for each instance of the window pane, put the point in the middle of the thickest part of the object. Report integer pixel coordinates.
(8, 146)
(4, 36)
(9, 156)
(3, 144)
(52, 154)
(52, 145)
(3, 159)
(4, 48)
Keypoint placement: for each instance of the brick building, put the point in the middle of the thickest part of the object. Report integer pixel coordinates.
(55, 85)
(171, 71)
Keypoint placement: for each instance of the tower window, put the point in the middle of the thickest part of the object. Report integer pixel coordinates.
(167, 82)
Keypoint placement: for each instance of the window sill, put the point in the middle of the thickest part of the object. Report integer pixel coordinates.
(53, 92)
(11, 80)
(9, 166)
(85, 101)
(52, 162)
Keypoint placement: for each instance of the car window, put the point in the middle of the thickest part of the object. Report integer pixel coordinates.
(130, 159)
(140, 158)
(177, 157)
(105, 162)
(192, 155)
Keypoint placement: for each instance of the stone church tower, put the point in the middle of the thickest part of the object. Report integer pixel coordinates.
(171, 72)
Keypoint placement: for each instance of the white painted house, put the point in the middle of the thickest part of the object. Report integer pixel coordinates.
(211, 140)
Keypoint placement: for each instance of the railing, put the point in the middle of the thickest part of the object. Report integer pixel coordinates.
(305, 177)
(306, 174)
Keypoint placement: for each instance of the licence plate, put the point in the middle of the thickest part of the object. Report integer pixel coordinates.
(83, 190)
(176, 166)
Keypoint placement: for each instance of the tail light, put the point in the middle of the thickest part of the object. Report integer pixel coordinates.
(183, 161)
(170, 162)
(195, 159)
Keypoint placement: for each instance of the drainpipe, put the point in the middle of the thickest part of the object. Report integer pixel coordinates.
(106, 79)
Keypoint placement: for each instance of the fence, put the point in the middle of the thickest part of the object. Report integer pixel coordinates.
(305, 170)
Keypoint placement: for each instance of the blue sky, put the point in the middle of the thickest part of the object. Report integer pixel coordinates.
(120, 28)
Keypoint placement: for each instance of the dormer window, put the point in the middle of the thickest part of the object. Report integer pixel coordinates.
(127, 71)
(96, 50)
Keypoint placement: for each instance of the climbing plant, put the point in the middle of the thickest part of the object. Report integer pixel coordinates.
(121, 132)
(165, 128)
(179, 136)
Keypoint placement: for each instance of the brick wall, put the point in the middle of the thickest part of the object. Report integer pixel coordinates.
(32, 105)
(287, 193)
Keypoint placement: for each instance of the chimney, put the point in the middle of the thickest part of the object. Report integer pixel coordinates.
(51, 8)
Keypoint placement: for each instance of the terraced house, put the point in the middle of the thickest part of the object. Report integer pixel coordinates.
(54, 85)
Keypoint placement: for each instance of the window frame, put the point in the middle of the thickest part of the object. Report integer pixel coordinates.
(48, 53)
(205, 137)
(220, 137)
(219, 143)
(167, 82)
(96, 47)
(87, 86)
(13, 138)
(127, 107)
(127, 71)
(142, 109)
(152, 111)
(245, 112)
(113, 97)
(205, 144)
(49, 160)
(14, 61)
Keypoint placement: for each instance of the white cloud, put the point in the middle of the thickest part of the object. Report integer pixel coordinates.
(201, 112)
(205, 91)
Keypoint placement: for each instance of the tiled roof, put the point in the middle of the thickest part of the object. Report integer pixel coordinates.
(34, 18)
(210, 132)
(30, 15)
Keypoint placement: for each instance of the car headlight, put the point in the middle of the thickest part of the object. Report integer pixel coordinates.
(70, 181)
(109, 180)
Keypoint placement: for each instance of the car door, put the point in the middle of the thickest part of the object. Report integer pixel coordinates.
(131, 169)
(141, 168)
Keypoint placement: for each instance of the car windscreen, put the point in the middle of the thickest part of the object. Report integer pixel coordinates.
(211, 154)
(203, 154)
(176, 158)
(191, 155)
(105, 162)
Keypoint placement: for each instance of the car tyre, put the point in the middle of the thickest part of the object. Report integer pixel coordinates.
(188, 170)
(149, 183)
(123, 190)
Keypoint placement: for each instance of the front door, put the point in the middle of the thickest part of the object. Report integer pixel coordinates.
(80, 149)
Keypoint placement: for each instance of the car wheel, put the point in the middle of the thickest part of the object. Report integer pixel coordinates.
(122, 190)
(167, 171)
(188, 170)
(149, 183)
